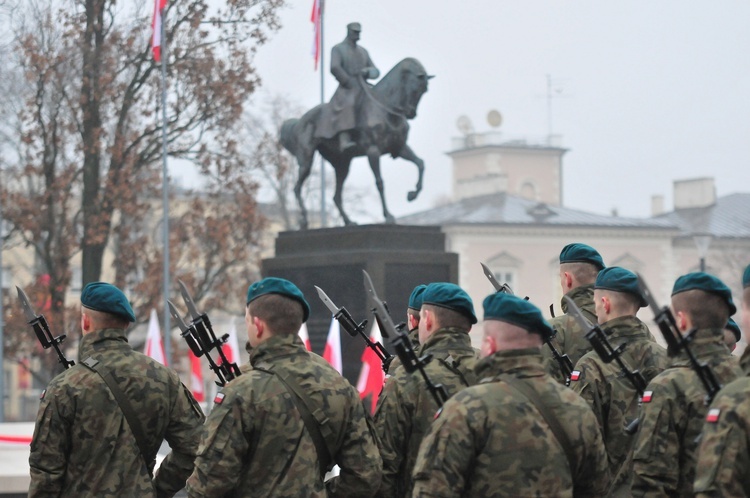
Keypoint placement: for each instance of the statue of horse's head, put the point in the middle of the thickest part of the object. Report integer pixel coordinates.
(414, 80)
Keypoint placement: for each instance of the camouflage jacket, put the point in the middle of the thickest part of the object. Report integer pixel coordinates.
(83, 446)
(672, 414)
(395, 361)
(491, 441)
(255, 442)
(406, 408)
(745, 360)
(569, 337)
(723, 463)
(612, 397)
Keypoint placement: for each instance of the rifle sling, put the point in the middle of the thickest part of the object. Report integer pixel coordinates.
(315, 420)
(554, 424)
(125, 406)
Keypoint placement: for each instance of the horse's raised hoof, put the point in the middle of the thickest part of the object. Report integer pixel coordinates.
(412, 195)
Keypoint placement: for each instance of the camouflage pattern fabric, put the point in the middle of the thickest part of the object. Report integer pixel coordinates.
(406, 408)
(612, 397)
(255, 442)
(723, 463)
(745, 360)
(672, 416)
(82, 445)
(491, 441)
(569, 337)
(395, 361)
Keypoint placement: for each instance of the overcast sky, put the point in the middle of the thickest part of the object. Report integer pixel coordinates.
(645, 91)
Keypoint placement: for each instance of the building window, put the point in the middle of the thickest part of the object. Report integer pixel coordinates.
(505, 268)
(506, 276)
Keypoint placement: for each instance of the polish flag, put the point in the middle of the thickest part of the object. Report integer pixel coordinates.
(332, 352)
(154, 346)
(156, 26)
(305, 336)
(231, 348)
(196, 378)
(316, 18)
(371, 377)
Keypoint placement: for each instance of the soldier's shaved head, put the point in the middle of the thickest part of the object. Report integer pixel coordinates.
(612, 304)
(98, 320)
(504, 336)
(282, 314)
(582, 273)
(705, 309)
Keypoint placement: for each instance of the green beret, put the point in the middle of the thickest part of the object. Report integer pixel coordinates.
(581, 253)
(746, 278)
(104, 297)
(449, 296)
(732, 325)
(273, 285)
(619, 279)
(415, 300)
(706, 283)
(512, 309)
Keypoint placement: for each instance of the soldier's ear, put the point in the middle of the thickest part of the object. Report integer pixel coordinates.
(489, 346)
(607, 304)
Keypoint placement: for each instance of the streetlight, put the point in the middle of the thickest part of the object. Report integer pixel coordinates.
(702, 241)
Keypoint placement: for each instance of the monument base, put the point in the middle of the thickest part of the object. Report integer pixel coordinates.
(397, 258)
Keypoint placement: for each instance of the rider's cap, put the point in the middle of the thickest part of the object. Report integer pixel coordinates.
(619, 279)
(451, 296)
(415, 300)
(706, 283)
(514, 310)
(354, 26)
(581, 253)
(273, 285)
(104, 297)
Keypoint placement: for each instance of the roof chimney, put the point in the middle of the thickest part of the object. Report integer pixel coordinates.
(657, 205)
(694, 193)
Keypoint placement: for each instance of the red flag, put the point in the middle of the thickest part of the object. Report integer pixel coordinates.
(316, 18)
(159, 6)
(371, 377)
(332, 352)
(196, 378)
(154, 346)
(305, 336)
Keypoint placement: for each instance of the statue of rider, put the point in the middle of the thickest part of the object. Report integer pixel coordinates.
(350, 63)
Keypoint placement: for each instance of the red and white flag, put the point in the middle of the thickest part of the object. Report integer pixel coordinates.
(332, 352)
(154, 345)
(231, 348)
(196, 378)
(156, 22)
(316, 18)
(371, 376)
(305, 336)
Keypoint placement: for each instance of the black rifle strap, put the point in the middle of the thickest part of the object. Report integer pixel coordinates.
(452, 365)
(124, 404)
(549, 417)
(315, 420)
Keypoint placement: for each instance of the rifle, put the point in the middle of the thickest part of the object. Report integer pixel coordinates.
(677, 342)
(41, 329)
(566, 366)
(402, 345)
(201, 338)
(347, 322)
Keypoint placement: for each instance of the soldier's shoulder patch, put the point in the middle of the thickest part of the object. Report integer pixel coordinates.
(575, 375)
(219, 399)
(44, 392)
(438, 412)
(713, 415)
(647, 396)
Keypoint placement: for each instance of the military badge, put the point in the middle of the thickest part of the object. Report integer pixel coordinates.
(713, 415)
(575, 375)
(647, 396)
(219, 398)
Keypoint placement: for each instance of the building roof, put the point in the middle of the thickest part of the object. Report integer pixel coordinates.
(506, 209)
(729, 217)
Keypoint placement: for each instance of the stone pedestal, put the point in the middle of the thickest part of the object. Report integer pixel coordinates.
(397, 258)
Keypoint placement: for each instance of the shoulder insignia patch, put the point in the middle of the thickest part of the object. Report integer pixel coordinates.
(437, 413)
(647, 396)
(219, 399)
(575, 375)
(41, 396)
(713, 415)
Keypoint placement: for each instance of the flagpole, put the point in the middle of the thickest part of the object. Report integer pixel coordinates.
(323, 217)
(165, 192)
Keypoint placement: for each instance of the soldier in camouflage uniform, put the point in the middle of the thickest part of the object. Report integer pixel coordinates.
(579, 265)
(82, 444)
(412, 321)
(256, 441)
(611, 396)
(673, 406)
(732, 334)
(405, 408)
(494, 439)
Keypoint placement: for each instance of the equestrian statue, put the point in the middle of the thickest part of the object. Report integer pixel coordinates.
(360, 120)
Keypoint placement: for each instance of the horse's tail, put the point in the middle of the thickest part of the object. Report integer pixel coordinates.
(287, 135)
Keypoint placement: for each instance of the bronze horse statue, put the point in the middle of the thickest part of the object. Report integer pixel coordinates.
(382, 128)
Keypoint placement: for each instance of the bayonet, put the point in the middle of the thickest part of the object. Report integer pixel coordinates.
(497, 285)
(41, 329)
